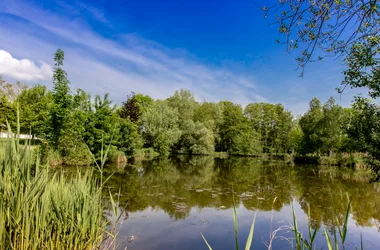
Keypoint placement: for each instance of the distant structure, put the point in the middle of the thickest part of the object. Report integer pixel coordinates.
(20, 136)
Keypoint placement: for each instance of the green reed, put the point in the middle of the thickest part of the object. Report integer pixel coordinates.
(250, 234)
(43, 210)
(299, 242)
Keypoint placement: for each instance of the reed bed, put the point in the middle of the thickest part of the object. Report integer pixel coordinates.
(40, 209)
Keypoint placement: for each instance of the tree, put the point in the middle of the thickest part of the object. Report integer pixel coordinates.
(135, 106)
(35, 104)
(129, 140)
(103, 125)
(295, 137)
(364, 129)
(8, 107)
(210, 114)
(272, 122)
(237, 137)
(332, 26)
(160, 127)
(184, 101)
(61, 98)
(363, 66)
(197, 139)
(310, 125)
(324, 127)
(332, 125)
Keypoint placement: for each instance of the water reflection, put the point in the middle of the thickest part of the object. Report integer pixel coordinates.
(182, 188)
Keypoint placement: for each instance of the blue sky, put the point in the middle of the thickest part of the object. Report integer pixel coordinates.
(220, 50)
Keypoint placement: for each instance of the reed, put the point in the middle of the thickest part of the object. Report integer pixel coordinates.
(250, 234)
(334, 240)
(40, 209)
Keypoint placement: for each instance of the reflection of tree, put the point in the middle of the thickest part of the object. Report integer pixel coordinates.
(180, 183)
(326, 193)
(257, 183)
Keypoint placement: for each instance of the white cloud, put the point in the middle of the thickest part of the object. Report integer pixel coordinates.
(98, 64)
(23, 69)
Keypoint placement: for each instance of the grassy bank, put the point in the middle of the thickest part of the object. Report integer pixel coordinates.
(43, 210)
(356, 160)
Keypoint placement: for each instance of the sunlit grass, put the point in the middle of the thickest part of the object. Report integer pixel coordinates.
(43, 210)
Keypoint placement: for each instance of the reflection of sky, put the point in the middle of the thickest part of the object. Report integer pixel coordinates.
(154, 229)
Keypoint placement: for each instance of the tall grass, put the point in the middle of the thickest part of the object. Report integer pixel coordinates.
(250, 234)
(43, 210)
(333, 241)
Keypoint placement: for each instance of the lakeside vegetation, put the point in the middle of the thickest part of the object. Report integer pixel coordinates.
(72, 124)
(40, 209)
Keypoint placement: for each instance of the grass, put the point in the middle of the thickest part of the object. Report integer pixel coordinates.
(334, 240)
(43, 210)
(354, 160)
(250, 234)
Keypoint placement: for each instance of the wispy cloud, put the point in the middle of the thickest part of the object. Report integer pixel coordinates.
(23, 69)
(128, 63)
(123, 62)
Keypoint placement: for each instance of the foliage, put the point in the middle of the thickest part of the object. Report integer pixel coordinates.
(274, 124)
(43, 210)
(34, 104)
(323, 127)
(62, 101)
(197, 139)
(328, 25)
(160, 127)
(134, 106)
(364, 128)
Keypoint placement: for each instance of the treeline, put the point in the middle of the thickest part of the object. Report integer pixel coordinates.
(72, 123)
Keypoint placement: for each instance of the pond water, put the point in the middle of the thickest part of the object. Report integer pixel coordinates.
(171, 201)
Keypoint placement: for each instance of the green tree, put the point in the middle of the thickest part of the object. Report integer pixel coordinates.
(237, 136)
(295, 137)
(8, 107)
(364, 129)
(103, 125)
(211, 115)
(184, 101)
(62, 100)
(330, 26)
(197, 139)
(310, 125)
(135, 106)
(160, 127)
(35, 104)
(332, 125)
(129, 140)
(323, 127)
(274, 124)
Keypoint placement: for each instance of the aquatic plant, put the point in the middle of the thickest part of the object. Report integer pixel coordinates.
(43, 210)
(299, 242)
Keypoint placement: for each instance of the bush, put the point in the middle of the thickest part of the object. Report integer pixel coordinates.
(116, 156)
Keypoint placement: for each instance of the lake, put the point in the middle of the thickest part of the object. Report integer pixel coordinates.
(170, 202)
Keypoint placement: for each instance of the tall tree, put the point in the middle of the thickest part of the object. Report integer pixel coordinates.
(62, 99)
(237, 136)
(273, 123)
(310, 125)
